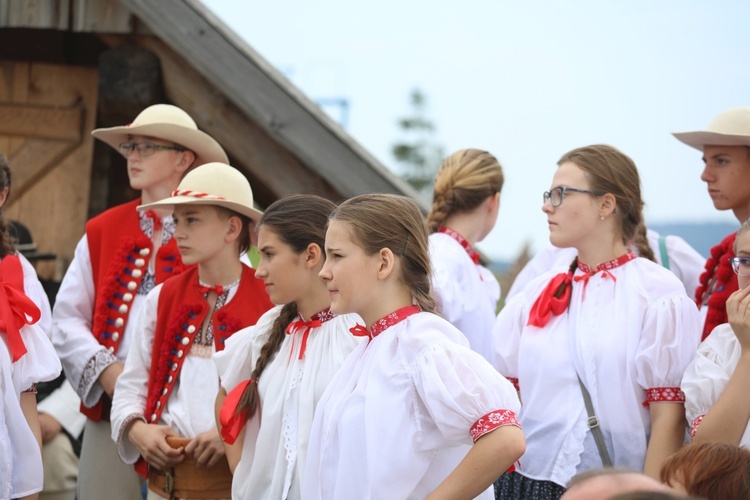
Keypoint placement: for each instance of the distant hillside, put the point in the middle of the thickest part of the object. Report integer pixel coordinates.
(700, 235)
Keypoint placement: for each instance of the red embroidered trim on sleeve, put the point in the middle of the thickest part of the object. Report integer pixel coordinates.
(660, 394)
(31, 389)
(514, 381)
(492, 421)
(694, 425)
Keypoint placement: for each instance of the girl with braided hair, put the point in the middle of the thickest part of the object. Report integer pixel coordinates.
(412, 413)
(615, 329)
(465, 204)
(281, 366)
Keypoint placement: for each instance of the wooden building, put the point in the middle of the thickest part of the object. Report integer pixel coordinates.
(69, 66)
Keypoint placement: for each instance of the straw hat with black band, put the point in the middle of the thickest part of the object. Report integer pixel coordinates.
(729, 128)
(216, 184)
(169, 123)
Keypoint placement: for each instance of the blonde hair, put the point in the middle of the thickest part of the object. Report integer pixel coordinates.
(465, 179)
(609, 170)
(395, 222)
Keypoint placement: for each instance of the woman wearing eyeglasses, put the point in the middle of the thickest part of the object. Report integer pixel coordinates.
(717, 382)
(620, 324)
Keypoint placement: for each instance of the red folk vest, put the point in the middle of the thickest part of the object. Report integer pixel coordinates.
(180, 315)
(120, 253)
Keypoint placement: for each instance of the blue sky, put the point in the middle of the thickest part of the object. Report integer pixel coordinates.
(526, 81)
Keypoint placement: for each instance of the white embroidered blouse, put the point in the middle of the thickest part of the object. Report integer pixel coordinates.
(274, 451)
(630, 339)
(402, 412)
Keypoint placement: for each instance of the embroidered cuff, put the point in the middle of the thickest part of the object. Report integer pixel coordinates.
(87, 390)
(514, 381)
(694, 425)
(31, 389)
(125, 448)
(492, 421)
(664, 394)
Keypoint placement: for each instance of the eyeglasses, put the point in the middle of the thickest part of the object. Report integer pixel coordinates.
(556, 195)
(144, 148)
(740, 265)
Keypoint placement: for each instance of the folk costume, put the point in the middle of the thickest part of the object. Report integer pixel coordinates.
(708, 375)
(465, 291)
(114, 266)
(627, 329)
(274, 451)
(403, 411)
(26, 357)
(169, 376)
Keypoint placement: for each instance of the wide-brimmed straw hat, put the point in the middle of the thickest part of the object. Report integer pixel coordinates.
(730, 128)
(169, 123)
(215, 184)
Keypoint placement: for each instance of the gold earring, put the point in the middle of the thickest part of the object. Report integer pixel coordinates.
(601, 218)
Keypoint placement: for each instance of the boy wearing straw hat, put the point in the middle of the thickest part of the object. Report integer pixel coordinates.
(726, 154)
(170, 382)
(123, 254)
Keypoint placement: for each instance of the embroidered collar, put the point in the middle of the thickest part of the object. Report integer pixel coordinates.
(473, 254)
(316, 320)
(609, 265)
(384, 323)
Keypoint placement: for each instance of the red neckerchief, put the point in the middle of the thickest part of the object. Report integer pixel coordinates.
(461, 241)
(316, 321)
(217, 289)
(384, 323)
(717, 283)
(150, 214)
(16, 309)
(555, 297)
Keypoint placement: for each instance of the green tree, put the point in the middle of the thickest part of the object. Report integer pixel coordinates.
(418, 153)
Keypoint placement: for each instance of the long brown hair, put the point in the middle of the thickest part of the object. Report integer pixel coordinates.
(395, 222)
(298, 221)
(710, 470)
(6, 245)
(465, 179)
(612, 171)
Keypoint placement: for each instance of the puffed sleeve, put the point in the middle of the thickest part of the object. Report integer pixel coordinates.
(506, 335)
(708, 374)
(237, 360)
(668, 343)
(462, 393)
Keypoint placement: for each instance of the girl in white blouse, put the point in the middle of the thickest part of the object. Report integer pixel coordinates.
(465, 204)
(413, 412)
(26, 357)
(717, 382)
(280, 367)
(623, 325)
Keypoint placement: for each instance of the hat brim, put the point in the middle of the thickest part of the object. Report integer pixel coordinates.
(703, 138)
(170, 202)
(204, 146)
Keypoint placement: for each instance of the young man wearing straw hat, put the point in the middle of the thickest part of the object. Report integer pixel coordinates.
(170, 382)
(123, 254)
(726, 153)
